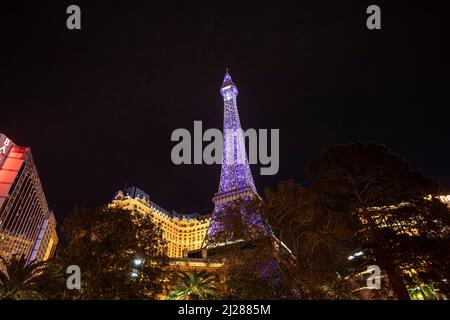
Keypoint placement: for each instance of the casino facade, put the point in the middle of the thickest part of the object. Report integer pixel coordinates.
(27, 225)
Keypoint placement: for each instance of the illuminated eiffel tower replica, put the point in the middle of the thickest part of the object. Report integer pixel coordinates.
(236, 188)
(237, 203)
(254, 245)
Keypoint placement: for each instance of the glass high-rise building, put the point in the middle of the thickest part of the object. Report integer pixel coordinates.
(27, 226)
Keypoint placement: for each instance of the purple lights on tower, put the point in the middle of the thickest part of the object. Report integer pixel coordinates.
(235, 172)
(236, 180)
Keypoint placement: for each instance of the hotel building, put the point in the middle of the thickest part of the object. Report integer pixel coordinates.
(182, 233)
(27, 226)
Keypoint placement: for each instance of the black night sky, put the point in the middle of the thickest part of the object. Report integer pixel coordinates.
(98, 106)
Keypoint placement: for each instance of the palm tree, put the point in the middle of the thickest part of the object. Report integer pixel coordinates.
(18, 279)
(194, 286)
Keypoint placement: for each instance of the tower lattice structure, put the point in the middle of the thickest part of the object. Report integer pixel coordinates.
(236, 180)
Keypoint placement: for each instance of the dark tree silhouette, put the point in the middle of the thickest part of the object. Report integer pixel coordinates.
(355, 177)
(19, 279)
(317, 236)
(104, 243)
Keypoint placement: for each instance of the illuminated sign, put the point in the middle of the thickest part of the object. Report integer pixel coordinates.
(5, 146)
